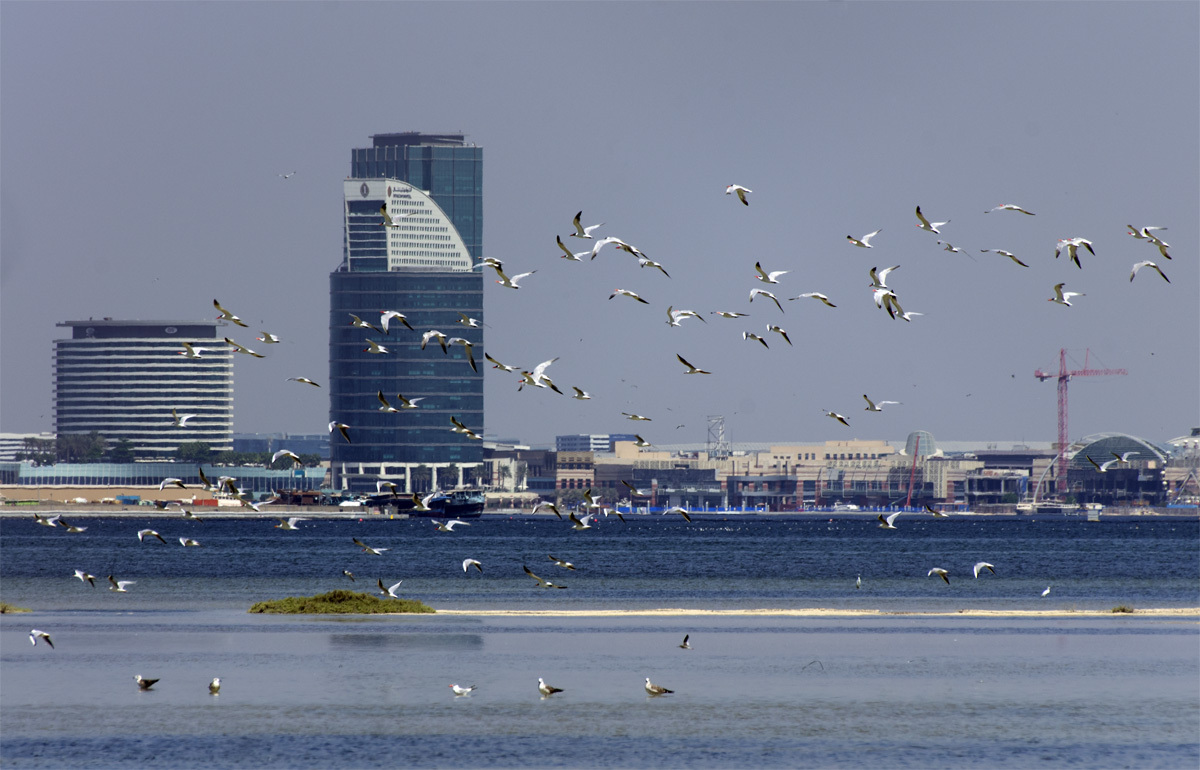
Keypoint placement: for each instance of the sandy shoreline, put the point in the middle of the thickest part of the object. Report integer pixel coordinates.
(818, 612)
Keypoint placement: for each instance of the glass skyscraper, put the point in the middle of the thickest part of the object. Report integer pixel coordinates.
(423, 265)
(122, 379)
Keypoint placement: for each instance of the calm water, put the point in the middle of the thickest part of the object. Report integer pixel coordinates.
(891, 691)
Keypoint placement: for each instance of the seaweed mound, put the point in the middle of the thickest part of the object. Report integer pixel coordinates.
(340, 602)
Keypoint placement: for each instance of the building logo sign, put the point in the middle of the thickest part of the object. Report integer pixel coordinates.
(364, 190)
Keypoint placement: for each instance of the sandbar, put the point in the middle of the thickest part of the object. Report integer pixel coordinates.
(820, 612)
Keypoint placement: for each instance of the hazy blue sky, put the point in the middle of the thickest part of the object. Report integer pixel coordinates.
(141, 145)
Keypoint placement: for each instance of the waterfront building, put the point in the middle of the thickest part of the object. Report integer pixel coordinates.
(123, 379)
(590, 442)
(424, 265)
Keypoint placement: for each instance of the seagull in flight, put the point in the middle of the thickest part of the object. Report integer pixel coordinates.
(767, 294)
(948, 246)
(1101, 467)
(1008, 207)
(741, 192)
(1147, 233)
(390, 590)
(879, 278)
(925, 224)
(632, 416)
(449, 526)
(545, 689)
(578, 523)
(865, 241)
(35, 634)
(193, 351)
(267, 338)
(766, 277)
(753, 336)
(876, 407)
(982, 566)
(304, 380)
(1123, 458)
(1139, 265)
(581, 395)
(188, 542)
(227, 316)
(472, 563)
(1046, 592)
(288, 175)
(512, 283)
(145, 533)
(349, 574)
(567, 253)
(676, 317)
(940, 573)
(889, 522)
(780, 331)
(1072, 247)
(243, 349)
(836, 416)
(690, 368)
(644, 261)
(655, 690)
(684, 644)
(727, 314)
(368, 549)
(1063, 297)
(459, 691)
(542, 583)
(638, 441)
(546, 506)
(1004, 253)
(814, 295)
(680, 510)
(119, 585)
(580, 230)
(84, 577)
(289, 523)
(628, 293)
(386, 316)
(502, 367)
(604, 242)
(181, 420)
(295, 458)
(560, 563)
(342, 427)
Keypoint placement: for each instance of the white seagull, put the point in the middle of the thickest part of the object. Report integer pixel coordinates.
(766, 277)
(814, 295)
(267, 338)
(512, 283)
(1008, 207)
(780, 331)
(690, 368)
(1046, 592)
(982, 566)
(680, 510)
(580, 230)
(567, 253)
(342, 428)
(237, 348)
(545, 689)
(769, 295)
(289, 523)
(578, 523)
(581, 395)
(227, 316)
(542, 583)
(1072, 247)
(741, 192)
(386, 316)
(390, 590)
(727, 314)
(925, 224)
(561, 563)
(434, 334)
(684, 644)
(655, 690)
(187, 542)
(1004, 253)
(940, 573)
(368, 549)
(448, 526)
(1063, 297)
(632, 416)
(753, 336)
(305, 380)
(1139, 265)
(876, 407)
(119, 585)
(879, 277)
(840, 418)
(375, 348)
(170, 482)
(145, 533)
(84, 577)
(295, 458)
(193, 351)
(458, 691)
(214, 687)
(35, 634)
(467, 563)
(628, 293)
(676, 317)
(865, 241)
(889, 522)
(181, 420)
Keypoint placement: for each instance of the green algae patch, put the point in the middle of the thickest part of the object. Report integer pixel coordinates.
(340, 603)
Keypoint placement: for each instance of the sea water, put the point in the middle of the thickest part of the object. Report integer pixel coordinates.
(893, 690)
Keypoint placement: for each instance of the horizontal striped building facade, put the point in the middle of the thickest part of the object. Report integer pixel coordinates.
(122, 379)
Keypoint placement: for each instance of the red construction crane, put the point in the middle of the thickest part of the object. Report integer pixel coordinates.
(1064, 375)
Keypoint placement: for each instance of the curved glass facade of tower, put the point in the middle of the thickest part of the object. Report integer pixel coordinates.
(422, 265)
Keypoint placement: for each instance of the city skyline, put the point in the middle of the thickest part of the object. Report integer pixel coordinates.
(146, 183)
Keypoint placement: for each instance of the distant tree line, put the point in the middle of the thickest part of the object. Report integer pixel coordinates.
(94, 448)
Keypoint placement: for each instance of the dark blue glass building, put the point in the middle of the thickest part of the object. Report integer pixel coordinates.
(420, 260)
